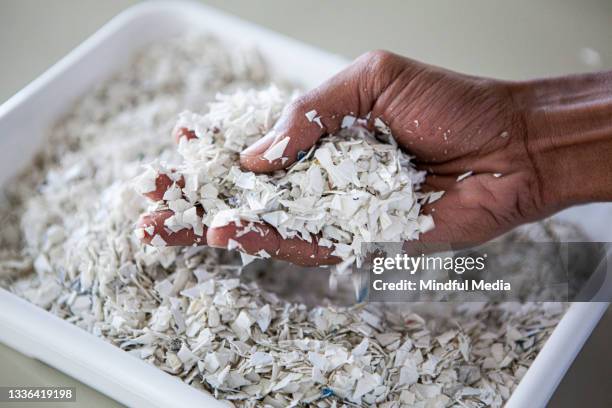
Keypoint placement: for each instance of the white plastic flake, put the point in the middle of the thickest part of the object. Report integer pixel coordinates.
(158, 241)
(435, 196)
(348, 121)
(464, 175)
(311, 115)
(260, 359)
(146, 181)
(276, 151)
(381, 126)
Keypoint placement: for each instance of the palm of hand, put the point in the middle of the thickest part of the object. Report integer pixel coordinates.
(455, 124)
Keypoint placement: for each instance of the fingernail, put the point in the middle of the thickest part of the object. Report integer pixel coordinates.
(259, 147)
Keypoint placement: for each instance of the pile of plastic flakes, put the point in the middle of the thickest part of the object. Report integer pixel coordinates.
(67, 245)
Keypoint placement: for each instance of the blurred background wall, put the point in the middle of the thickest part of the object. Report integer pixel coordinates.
(509, 39)
(506, 39)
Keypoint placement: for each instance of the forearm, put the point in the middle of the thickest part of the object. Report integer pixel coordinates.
(568, 124)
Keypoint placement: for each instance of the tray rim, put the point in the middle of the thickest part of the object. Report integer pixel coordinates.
(162, 389)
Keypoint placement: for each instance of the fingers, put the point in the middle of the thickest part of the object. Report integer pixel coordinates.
(163, 181)
(152, 224)
(162, 184)
(255, 238)
(352, 92)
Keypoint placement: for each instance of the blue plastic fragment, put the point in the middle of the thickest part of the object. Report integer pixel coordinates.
(363, 293)
(301, 154)
(326, 392)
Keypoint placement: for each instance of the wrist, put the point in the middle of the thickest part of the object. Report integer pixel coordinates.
(568, 136)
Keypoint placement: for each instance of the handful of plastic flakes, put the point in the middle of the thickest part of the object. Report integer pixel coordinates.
(354, 186)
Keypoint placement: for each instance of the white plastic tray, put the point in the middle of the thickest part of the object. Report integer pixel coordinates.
(24, 120)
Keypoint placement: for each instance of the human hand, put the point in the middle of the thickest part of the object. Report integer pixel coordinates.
(452, 123)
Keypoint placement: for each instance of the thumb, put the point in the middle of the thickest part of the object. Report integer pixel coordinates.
(352, 92)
